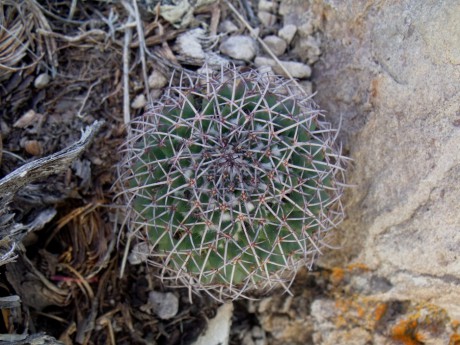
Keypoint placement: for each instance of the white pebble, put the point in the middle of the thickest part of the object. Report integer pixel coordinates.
(227, 26)
(139, 254)
(288, 32)
(296, 69)
(277, 45)
(239, 47)
(42, 81)
(266, 18)
(165, 304)
(157, 80)
(139, 102)
(268, 6)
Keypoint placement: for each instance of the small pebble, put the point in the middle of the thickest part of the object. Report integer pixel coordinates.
(29, 118)
(268, 6)
(139, 254)
(139, 102)
(308, 49)
(227, 26)
(165, 304)
(157, 80)
(277, 45)
(189, 44)
(155, 94)
(296, 69)
(239, 47)
(305, 29)
(287, 32)
(33, 147)
(266, 18)
(262, 61)
(42, 81)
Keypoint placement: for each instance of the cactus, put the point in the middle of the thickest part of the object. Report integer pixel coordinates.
(234, 179)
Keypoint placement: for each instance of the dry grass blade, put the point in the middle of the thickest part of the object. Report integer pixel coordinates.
(20, 49)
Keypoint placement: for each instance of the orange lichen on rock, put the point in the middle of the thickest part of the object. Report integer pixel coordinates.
(454, 339)
(425, 318)
(360, 311)
(380, 311)
(455, 324)
(358, 266)
(406, 332)
(337, 275)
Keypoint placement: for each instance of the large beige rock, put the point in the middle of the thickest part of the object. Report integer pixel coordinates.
(391, 70)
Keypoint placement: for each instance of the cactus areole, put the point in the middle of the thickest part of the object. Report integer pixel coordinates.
(234, 178)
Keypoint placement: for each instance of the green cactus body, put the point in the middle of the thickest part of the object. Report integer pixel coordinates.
(234, 178)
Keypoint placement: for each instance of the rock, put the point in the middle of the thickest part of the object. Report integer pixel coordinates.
(189, 44)
(218, 330)
(299, 13)
(157, 80)
(287, 32)
(307, 86)
(139, 102)
(392, 81)
(42, 81)
(139, 253)
(256, 336)
(29, 118)
(296, 69)
(239, 47)
(179, 12)
(266, 18)
(267, 6)
(164, 304)
(308, 49)
(33, 147)
(277, 45)
(227, 26)
(267, 73)
(305, 29)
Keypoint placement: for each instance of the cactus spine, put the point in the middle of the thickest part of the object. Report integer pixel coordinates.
(235, 180)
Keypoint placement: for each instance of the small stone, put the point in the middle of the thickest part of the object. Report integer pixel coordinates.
(139, 102)
(189, 44)
(42, 81)
(155, 94)
(277, 45)
(165, 304)
(267, 73)
(218, 330)
(139, 254)
(29, 118)
(239, 47)
(307, 86)
(157, 80)
(287, 32)
(227, 26)
(4, 128)
(266, 18)
(31, 122)
(308, 49)
(306, 29)
(296, 69)
(262, 61)
(267, 6)
(33, 147)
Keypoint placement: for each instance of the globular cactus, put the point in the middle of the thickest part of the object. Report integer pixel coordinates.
(235, 180)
